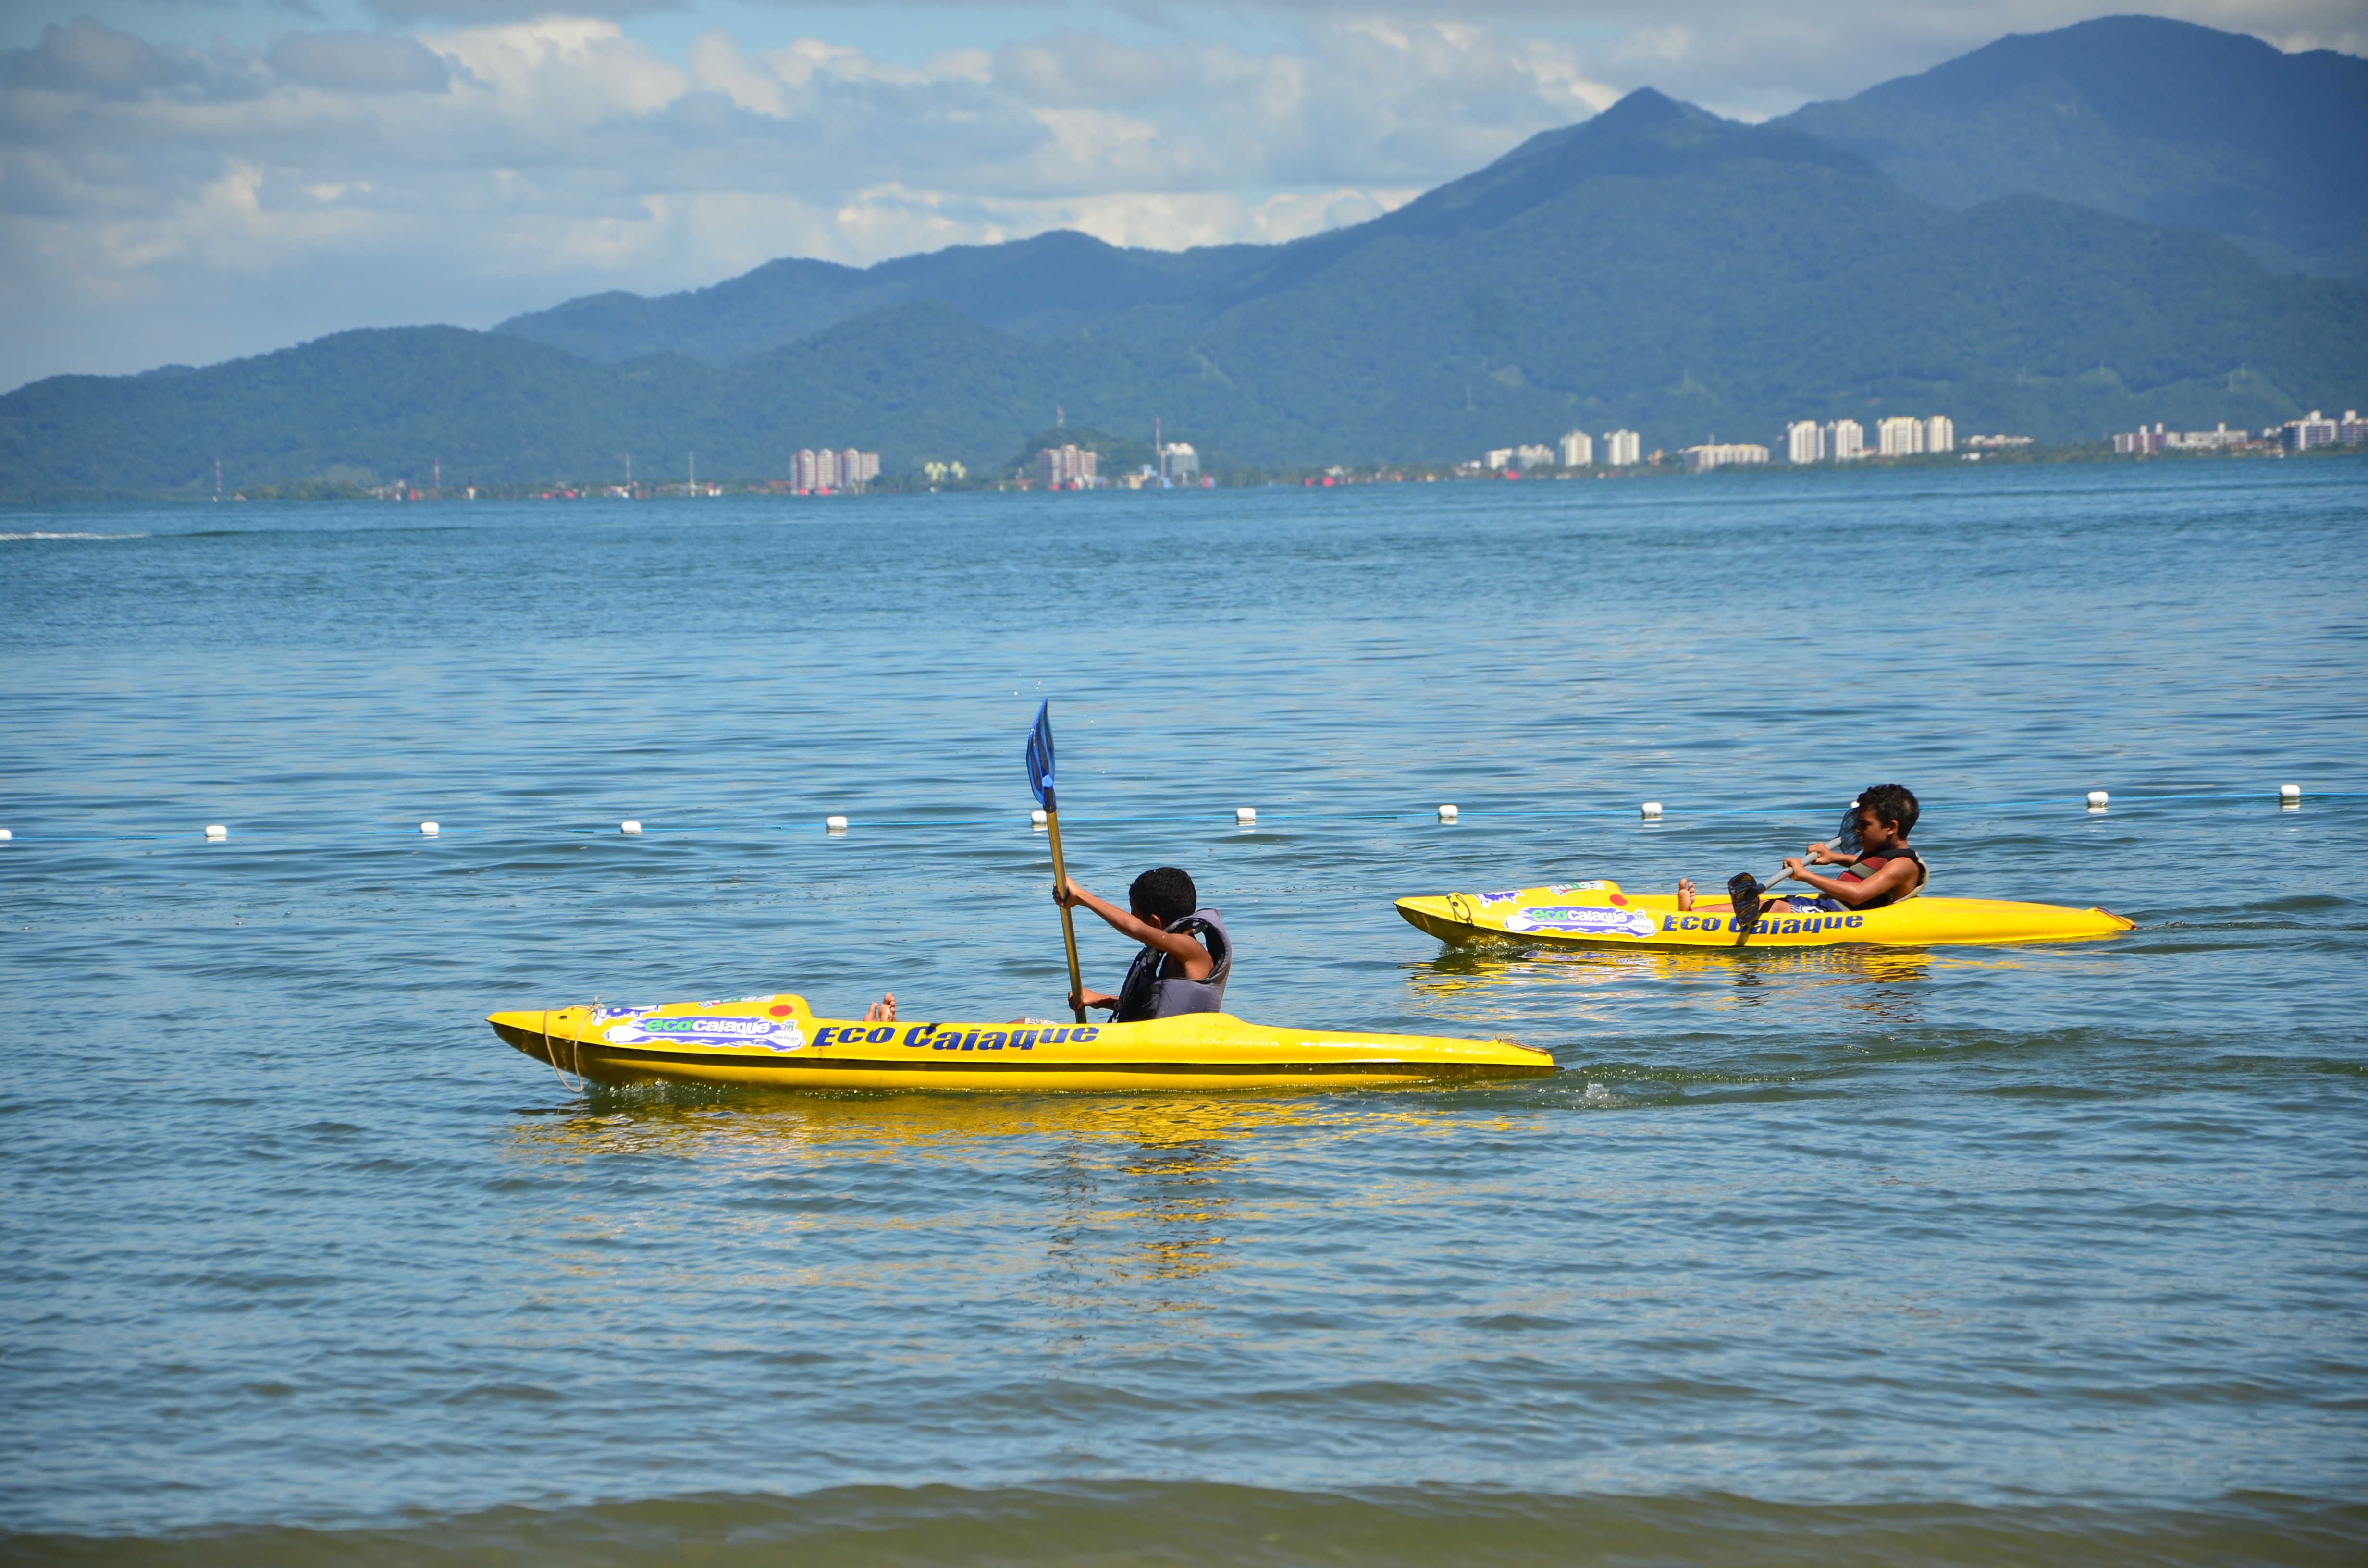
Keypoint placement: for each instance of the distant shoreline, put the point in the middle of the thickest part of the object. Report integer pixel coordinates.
(1336, 476)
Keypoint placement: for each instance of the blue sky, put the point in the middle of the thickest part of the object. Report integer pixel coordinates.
(190, 180)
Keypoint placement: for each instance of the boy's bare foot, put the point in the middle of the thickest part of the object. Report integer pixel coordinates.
(1685, 892)
(882, 1011)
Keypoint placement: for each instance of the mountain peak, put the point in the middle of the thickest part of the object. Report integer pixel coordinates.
(1644, 113)
(1649, 106)
(2158, 119)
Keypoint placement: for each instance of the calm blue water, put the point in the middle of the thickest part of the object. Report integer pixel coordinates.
(1819, 1257)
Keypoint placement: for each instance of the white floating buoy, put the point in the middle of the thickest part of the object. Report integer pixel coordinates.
(6, 835)
(2099, 800)
(1650, 809)
(835, 824)
(1447, 813)
(215, 830)
(1246, 814)
(631, 829)
(1037, 818)
(430, 829)
(2288, 795)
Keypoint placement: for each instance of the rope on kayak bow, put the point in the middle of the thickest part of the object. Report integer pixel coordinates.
(552, 1057)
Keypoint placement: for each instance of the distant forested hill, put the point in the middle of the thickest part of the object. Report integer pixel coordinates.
(1655, 267)
(1686, 276)
(2149, 117)
(1053, 285)
(919, 380)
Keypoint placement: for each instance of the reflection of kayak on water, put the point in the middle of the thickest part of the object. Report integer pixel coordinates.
(1600, 914)
(777, 1040)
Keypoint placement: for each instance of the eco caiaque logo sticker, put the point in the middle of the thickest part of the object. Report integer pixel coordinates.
(1563, 920)
(773, 1034)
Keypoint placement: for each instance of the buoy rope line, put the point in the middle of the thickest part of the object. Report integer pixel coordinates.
(1232, 819)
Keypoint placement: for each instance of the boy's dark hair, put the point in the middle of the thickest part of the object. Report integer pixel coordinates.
(1889, 802)
(1164, 893)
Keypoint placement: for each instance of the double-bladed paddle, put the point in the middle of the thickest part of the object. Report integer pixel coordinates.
(1745, 892)
(1040, 782)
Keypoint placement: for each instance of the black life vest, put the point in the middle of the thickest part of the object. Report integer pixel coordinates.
(1871, 862)
(1157, 986)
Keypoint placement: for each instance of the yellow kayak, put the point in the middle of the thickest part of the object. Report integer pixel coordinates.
(777, 1042)
(1599, 914)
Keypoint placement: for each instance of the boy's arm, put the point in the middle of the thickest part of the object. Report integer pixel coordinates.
(1896, 873)
(1175, 944)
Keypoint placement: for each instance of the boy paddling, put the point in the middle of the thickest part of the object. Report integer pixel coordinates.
(1184, 958)
(1186, 954)
(1882, 869)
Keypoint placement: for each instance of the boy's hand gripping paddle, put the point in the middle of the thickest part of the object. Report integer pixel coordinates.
(1040, 783)
(1744, 891)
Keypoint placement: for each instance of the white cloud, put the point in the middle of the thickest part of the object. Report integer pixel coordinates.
(163, 204)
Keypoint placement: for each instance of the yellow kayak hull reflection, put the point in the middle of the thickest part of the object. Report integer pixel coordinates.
(776, 1042)
(1602, 915)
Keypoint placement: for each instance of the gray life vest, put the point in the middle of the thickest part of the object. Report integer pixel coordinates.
(1157, 986)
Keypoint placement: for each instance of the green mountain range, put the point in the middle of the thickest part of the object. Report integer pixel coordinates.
(2154, 119)
(1051, 286)
(1655, 267)
(2163, 121)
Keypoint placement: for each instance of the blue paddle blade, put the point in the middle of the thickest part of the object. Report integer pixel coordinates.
(1744, 891)
(1040, 758)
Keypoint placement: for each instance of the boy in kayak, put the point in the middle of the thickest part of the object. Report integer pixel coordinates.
(1873, 844)
(1186, 954)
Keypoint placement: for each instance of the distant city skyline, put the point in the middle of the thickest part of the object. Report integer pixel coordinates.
(190, 181)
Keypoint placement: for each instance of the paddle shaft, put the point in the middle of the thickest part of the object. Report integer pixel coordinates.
(1068, 923)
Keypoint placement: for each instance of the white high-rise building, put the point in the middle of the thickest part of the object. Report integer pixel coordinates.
(1622, 449)
(1067, 467)
(826, 470)
(1805, 442)
(1499, 460)
(2314, 429)
(1528, 458)
(1578, 450)
(1178, 461)
(1899, 436)
(1845, 440)
(1703, 458)
(817, 470)
(1940, 434)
